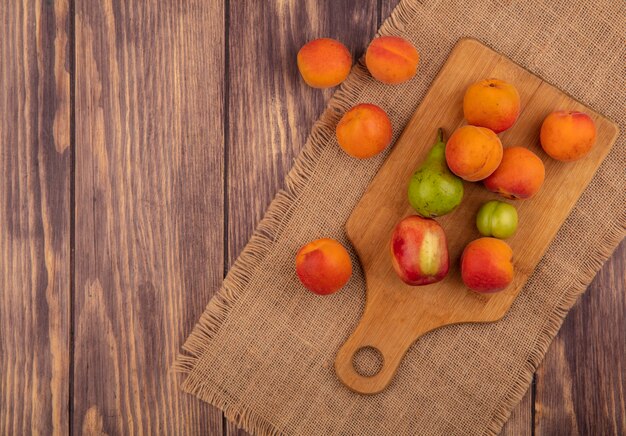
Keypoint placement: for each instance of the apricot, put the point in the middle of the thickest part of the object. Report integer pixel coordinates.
(391, 59)
(473, 153)
(567, 135)
(486, 265)
(364, 131)
(520, 174)
(491, 103)
(323, 266)
(324, 62)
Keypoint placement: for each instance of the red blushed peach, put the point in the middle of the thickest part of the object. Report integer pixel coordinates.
(567, 135)
(491, 103)
(323, 266)
(486, 265)
(520, 174)
(473, 153)
(391, 59)
(364, 131)
(324, 62)
(419, 251)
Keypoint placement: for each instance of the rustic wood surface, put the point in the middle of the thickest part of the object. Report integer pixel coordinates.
(35, 217)
(140, 144)
(149, 89)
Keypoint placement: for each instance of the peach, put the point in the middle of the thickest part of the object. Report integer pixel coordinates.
(419, 251)
(391, 59)
(491, 103)
(486, 265)
(323, 266)
(324, 62)
(364, 131)
(473, 153)
(520, 174)
(567, 135)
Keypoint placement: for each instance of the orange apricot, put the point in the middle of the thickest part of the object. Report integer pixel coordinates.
(324, 62)
(520, 174)
(391, 59)
(567, 135)
(473, 153)
(364, 131)
(491, 103)
(486, 265)
(323, 266)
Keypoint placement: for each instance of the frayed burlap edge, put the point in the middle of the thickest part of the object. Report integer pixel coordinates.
(279, 212)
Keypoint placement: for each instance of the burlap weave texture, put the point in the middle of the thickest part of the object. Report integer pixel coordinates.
(263, 351)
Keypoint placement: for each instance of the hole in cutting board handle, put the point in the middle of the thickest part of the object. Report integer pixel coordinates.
(368, 361)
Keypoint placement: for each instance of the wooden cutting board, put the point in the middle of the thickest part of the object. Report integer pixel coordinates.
(396, 314)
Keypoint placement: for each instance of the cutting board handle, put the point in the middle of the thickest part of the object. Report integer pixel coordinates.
(390, 340)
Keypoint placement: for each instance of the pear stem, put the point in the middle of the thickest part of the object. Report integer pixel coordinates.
(437, 153)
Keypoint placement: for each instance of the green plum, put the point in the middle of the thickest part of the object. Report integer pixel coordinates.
(434, 190)
(497, 218)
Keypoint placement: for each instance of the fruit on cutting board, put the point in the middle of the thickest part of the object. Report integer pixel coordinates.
(491, 103)
(567, 135)
(324, 62)
(497, 218)
(364, 131)
(419, 251)
(391, 59)
(433, 189)
(473, 153)
(323, 266)
(519, 175)
(486, 265)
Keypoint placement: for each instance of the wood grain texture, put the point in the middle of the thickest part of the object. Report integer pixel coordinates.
(397, 314)
(150, 88)
(581, 384)
(271, 109)
(35, 165)
(149, 208)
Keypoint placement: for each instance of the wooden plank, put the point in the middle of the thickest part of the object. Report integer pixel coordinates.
(149, 208)
(581, 387)
(35, 174)
(271, 110)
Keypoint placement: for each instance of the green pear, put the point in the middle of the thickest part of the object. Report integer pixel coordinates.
(434, 190)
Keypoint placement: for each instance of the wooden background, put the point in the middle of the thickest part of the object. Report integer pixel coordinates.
(140, 143)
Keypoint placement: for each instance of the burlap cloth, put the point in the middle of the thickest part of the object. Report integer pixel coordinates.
(263, 350)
